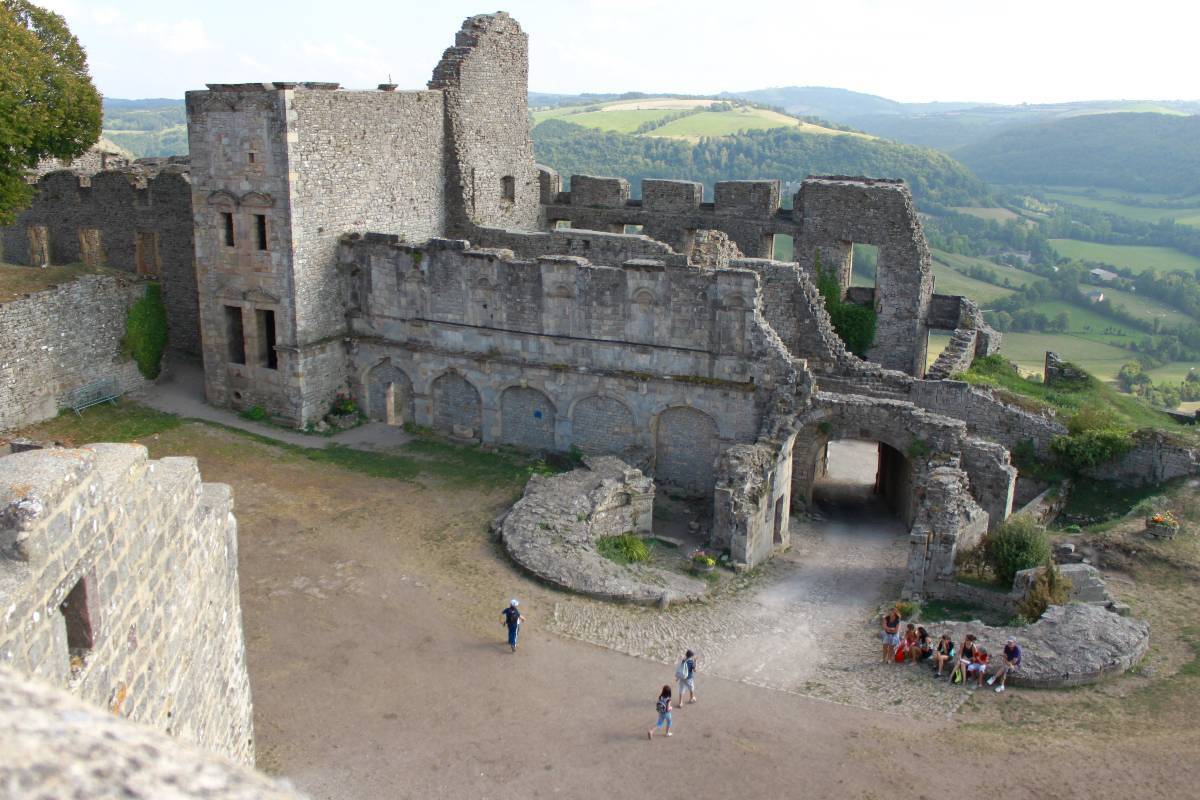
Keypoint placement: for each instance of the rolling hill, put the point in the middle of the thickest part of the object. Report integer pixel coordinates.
(1137, 152)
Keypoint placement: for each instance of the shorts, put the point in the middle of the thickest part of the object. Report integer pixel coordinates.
(664, 717)
(891, 639)
(924, 654)
(976, 667)
(689, 684)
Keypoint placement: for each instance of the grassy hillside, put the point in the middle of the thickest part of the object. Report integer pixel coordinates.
(1135, 257)
(1149, 152)
(1140, 206)
(151, 127)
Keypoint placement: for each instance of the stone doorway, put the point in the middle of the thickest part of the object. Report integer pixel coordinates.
(855, 478)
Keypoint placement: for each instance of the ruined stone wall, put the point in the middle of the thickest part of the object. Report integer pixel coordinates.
(597, 247)
(948, 521)
(491, 178)
(136, 219)
(1155, 458)
(119, 583)
(829, 214)
(61, 339)
(665, 366)
(57, 746)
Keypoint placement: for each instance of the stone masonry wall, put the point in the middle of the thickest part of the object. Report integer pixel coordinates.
(56, 746)
(58, 340)
(556, 350)
(119, 583)
(142, 219)
(491, 178)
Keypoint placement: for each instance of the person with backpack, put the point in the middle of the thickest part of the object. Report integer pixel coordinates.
(685, 676)
(513, 619)
(663, 706)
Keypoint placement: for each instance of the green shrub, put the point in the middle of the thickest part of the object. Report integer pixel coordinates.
(1049, 589)
(909, 609)
(854, 324)
(1018, 543)
(1079, 451)
(254, 413)
(623, 549)
(146, 332)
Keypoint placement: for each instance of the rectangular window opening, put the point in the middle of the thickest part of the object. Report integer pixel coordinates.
(260, 228)
(227, 223)
(251, 156)
(77, 614)
(785, 248)
(508, 188)
(146, 253)
(632, 228)
(560, 224)
(266, 338)
(234, 335)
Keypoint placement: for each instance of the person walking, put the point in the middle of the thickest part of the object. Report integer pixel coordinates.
(513, 618)
(685, 675)
(1010, 663)
(663, 706)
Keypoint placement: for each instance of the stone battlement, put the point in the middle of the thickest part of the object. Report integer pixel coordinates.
(118, 582)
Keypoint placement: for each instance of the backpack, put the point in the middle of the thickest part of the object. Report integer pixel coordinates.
(512, 616)
(681, 671)
(661, 705)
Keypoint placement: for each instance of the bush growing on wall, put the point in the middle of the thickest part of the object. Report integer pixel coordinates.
(1094, 436)
(146, 332)
(1018, 543)
(854, 324)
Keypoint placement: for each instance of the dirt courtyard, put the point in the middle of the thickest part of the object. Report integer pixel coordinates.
(379, 670)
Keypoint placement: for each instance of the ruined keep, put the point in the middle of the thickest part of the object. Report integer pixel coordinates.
(404, 246)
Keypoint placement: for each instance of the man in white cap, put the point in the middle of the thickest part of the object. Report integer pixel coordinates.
(513, 618)
(1010, 663)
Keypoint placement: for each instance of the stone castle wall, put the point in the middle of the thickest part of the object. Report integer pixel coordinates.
(119, 583)
(58, 340)
(662, 365)
(137, 219)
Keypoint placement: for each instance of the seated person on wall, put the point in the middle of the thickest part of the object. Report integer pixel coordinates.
(966, 656)
(943, 654)
(921, 647)
(1011, 662)
(978, 666)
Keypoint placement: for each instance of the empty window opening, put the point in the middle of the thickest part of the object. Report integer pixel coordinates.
(508, 188)
(78, 617)
(785, 247)
(863, 480)
(250, 156)
(864, 263)
(227, 225)
(260, 230)
(39, 246)
(266, 339)
(90, 250)
(234, 335)
(559, 224)
(633, 229)
(781, 519)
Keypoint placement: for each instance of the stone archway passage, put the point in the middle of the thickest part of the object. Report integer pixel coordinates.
(389, 395)
(686, 446)
(457, 409)
(527, 419)
(602, 425)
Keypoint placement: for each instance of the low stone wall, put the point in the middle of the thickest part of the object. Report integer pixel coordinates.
(57, 746)
(58, 340)
(1155, 458)
(1070, 645)
(119, 583)
(552, 531)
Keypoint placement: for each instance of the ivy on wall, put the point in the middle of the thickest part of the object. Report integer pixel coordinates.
(855, 324)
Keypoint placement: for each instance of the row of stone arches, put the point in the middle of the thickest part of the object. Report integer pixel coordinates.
(686, 441)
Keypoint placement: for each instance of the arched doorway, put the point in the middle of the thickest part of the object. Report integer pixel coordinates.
(389, 394)
(457, 409)
(857, 478)
(685, 446)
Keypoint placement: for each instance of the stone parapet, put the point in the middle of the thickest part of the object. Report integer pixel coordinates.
(119, 583)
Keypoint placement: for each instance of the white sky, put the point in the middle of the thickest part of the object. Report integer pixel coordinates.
(911, 50)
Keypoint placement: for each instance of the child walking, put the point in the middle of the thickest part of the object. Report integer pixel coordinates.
(664, 712)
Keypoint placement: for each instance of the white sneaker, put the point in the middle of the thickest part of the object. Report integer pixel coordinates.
(999, 688)
(991, 680)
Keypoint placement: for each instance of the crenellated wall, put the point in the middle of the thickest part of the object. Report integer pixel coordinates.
(119, 583)
(137, 219)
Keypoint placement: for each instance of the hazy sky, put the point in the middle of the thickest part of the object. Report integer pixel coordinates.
(913, 50)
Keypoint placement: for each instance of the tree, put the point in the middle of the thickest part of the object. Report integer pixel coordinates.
(48, 104)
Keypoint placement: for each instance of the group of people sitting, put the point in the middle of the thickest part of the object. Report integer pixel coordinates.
(969, 661)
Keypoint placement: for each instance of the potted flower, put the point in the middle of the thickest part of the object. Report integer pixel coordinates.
(703, 562)
(1162, 524)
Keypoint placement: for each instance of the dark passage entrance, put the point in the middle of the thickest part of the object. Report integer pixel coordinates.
(855, 477)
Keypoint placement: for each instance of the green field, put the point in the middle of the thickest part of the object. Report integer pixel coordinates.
(949, 281)
(1110, 202)
(1146, 307)
(1028, 350)
(983, 212)
(619, 121)
(1136, 257)
(722, 123)
(1016, 277)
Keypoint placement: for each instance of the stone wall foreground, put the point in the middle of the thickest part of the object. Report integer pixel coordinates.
(58, 340)
(56, 746)
(119, 583)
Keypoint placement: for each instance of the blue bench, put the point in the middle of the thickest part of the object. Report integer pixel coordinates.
(94, 393)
